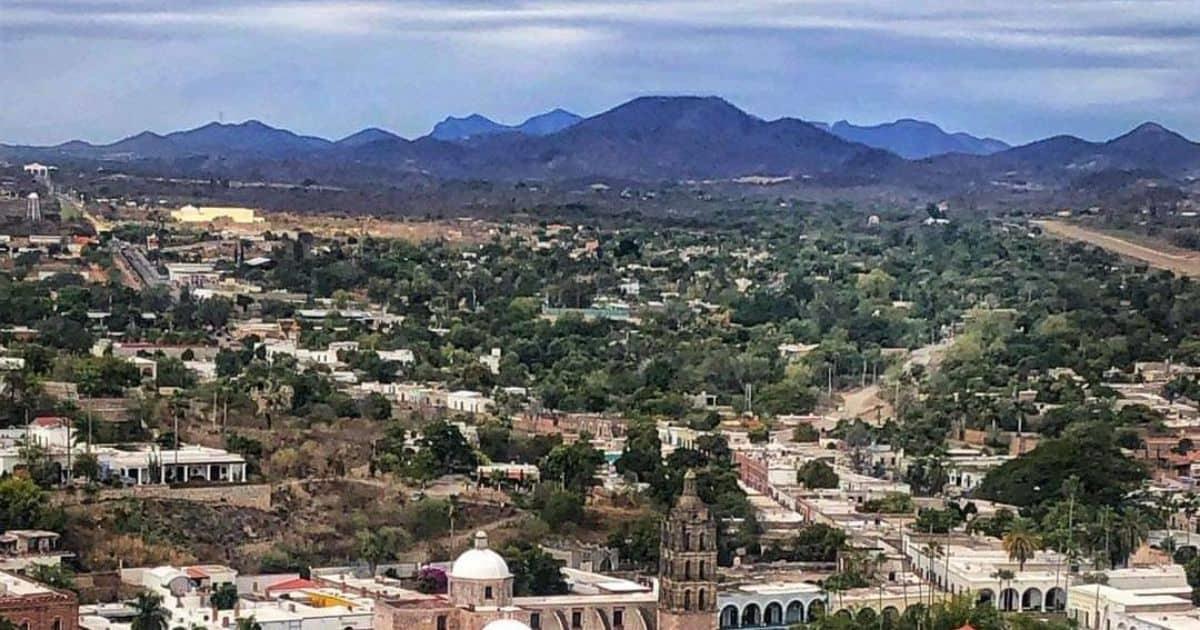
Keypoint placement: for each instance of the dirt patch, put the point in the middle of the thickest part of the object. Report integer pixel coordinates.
(1154, 253)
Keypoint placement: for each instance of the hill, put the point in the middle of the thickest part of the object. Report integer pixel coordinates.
(474, 126)
(916, 139)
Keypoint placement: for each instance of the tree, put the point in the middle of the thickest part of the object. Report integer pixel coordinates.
(380, 545)
(54, 575)
(805, 433)
(225, 596)
(1021, 543)
(574, 465)
(87, 466)
(560, 508)
(149, 612)
(248, 623)
(638, 541)
(816, 474)
(375, 407)
(535, 572)
(1105, 474)
(22, 504)
(214, 312)
(444, 451)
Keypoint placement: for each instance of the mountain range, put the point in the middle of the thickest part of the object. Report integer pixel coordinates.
(652, 139)
(475, 125)
(914, 139)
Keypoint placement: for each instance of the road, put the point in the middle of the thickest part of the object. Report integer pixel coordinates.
(1164, 257)
(866, 404)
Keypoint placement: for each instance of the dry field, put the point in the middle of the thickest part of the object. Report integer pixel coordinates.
(1155, 254)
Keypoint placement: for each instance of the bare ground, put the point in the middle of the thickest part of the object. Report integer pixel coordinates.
(1154, 253)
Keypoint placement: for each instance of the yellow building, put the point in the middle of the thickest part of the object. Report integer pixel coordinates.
(207, 214)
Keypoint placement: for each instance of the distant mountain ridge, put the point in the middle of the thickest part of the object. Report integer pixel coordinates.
(654, 139)
(915, 139)
(474, 126)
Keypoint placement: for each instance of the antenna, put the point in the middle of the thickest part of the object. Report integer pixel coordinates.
(220, 116)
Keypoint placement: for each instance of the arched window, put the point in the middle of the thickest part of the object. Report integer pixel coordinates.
(687, 569)
(702, 567)
(701, 548)
(687, 600)
(702, 600)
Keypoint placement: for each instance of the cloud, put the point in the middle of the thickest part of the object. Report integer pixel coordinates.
(1003, 67)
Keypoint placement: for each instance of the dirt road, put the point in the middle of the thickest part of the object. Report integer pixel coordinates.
(1161, 257)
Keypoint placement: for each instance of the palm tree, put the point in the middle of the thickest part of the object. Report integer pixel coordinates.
(1132, 531)
(1021, 543)
(932, 549)
(1004, 576)
(149, 613)
(1190, 505)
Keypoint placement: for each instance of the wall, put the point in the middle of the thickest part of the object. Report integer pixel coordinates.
(241, 495)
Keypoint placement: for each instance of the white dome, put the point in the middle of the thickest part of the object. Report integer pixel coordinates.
(482, 563)
(506, 624)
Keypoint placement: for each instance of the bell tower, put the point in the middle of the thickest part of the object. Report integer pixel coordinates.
(687, 569)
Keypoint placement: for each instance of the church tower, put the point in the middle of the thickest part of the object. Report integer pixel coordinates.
(687, 569)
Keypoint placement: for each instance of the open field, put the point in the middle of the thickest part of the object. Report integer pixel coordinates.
(1153, 253)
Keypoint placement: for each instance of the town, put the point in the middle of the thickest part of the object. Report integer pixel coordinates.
(216, 416)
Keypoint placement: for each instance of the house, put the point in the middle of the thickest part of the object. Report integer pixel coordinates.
(23, 548)
(468, 401)
(1147, 598)
(30, 605)
(192, 274)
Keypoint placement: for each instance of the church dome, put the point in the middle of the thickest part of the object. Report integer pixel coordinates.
(506, 624)
(482, 563)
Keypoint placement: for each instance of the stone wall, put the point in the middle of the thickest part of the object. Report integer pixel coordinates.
(256, 496)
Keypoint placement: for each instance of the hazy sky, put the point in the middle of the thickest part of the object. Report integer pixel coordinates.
(1015, 69)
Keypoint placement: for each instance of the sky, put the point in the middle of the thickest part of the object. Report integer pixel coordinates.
(1019, 70)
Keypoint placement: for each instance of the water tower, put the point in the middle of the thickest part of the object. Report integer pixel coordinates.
(33, 207)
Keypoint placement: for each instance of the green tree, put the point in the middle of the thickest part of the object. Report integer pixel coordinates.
(149, 612)
(225, 596)
(574, 465)
(1021, 543)
(535, 572)
(816, 474)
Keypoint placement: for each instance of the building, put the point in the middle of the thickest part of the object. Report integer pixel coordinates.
(480, 589)
(1150, 598)
(33, 606)
(687, 570)
(192, 274)
(23, 548)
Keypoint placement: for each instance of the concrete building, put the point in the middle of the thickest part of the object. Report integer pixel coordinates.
(33, 606)
(1151, 598)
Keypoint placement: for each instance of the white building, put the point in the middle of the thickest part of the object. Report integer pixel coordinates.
(491, 361)
(1149, 598)
(468, 401)
(961, 564)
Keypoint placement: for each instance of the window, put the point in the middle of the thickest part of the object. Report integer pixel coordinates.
(701, 575)
(576, 619)
(487, 592)
(687, 600)
(57, 625)
(535, 621)
(618, 618)
(441, 622)
(687, 569)
(702, 600)
(701, 548)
